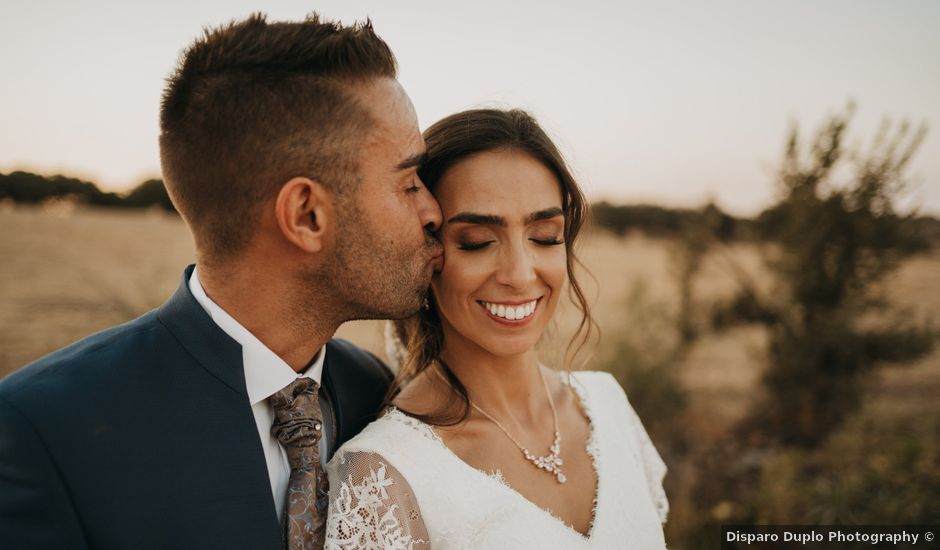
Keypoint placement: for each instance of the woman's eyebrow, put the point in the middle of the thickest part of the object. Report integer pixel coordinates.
(477, 219)
(492, 219)
(546, 214)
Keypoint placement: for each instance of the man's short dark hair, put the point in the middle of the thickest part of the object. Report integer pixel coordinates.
(253, 104)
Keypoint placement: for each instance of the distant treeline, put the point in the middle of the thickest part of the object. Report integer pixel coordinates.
(652, 220)
(658, 221)
(25, 187)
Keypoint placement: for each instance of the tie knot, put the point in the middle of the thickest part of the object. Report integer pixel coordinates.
(297, 418)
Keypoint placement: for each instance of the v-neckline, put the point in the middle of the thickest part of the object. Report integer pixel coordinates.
(497, 476)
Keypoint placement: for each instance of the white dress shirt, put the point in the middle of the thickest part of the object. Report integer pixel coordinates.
(265, 374)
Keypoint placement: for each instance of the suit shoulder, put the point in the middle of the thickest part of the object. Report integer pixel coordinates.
(85, 358)
(357, 381)
(358, 361)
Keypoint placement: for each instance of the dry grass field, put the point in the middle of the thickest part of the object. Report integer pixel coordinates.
(67, 273)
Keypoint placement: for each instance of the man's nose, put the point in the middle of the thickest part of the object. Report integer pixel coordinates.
(429, 211)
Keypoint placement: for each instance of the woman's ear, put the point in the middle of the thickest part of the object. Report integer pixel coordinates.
(305, 213)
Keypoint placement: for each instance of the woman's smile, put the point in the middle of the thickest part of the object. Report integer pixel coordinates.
(514, 313)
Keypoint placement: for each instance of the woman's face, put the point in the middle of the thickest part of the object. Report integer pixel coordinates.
(505, 256)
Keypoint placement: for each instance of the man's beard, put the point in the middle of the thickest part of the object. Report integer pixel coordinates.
(377, 282)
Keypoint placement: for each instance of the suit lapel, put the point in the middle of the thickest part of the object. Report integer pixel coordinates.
(220, 355)
(355, 382)
(328, 385)
(214, 350)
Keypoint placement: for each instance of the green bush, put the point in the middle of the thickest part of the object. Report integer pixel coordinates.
(875, 470)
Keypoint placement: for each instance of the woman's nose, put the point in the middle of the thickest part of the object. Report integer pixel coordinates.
(517, 268)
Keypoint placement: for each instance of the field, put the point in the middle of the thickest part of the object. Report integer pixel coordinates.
(68, 273)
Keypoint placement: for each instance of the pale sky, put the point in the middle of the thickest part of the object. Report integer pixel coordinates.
(666, 102)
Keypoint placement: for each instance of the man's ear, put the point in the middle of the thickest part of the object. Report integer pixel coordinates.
(305, 213)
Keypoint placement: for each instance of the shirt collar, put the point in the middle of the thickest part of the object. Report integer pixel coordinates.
(265, 372)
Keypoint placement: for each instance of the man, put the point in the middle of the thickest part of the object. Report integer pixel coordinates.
(291, 152)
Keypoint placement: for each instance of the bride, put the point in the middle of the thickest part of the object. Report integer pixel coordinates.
(484, 446)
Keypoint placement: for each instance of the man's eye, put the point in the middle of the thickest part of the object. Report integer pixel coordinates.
(474, 246)
(412, 189)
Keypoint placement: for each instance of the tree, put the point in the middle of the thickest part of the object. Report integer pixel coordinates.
(150, 193)
(832, 244)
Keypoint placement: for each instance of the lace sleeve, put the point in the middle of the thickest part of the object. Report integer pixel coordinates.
(653, 467)
(371, 505)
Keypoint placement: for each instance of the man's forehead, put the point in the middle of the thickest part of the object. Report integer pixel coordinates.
(392, 113)
(387, 100)
(405, 139)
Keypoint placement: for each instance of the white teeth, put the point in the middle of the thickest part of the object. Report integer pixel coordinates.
(511, 312)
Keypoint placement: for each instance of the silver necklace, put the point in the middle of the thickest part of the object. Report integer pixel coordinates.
(552, 461)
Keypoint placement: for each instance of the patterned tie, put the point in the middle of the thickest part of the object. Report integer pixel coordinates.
(298, 426)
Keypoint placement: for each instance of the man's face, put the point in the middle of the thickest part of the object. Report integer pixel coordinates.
(386, 254)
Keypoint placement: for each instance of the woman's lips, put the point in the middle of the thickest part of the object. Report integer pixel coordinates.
(511, 313)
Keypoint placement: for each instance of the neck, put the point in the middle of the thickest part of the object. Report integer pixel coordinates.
(288, 322)
(506, 387)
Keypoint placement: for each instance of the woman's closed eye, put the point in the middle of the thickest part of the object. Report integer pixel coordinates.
(479, 245)
(547, 232)
(469, 245)
(551, 241)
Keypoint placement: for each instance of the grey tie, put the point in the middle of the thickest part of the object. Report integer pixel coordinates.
(298, 426)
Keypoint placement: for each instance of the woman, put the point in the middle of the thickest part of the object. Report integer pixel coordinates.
(485, 447)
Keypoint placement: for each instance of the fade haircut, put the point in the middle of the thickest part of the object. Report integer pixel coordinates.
(253, 104)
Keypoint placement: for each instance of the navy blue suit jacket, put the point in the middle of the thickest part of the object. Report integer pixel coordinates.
(142, 436)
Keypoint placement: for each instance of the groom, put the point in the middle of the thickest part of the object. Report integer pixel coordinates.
(291, 152)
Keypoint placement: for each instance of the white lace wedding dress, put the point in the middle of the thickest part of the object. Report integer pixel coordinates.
(396, 485)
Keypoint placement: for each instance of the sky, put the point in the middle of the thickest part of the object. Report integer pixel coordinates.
(665, 102)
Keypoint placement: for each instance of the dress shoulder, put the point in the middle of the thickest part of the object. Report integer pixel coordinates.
(390, 434)
(612, 406)
(595, 380)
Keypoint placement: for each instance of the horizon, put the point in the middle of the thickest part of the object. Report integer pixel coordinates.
(668, 104)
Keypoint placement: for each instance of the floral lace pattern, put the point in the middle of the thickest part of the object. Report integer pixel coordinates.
(363, 513)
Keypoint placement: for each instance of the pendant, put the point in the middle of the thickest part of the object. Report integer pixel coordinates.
(551, 462)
